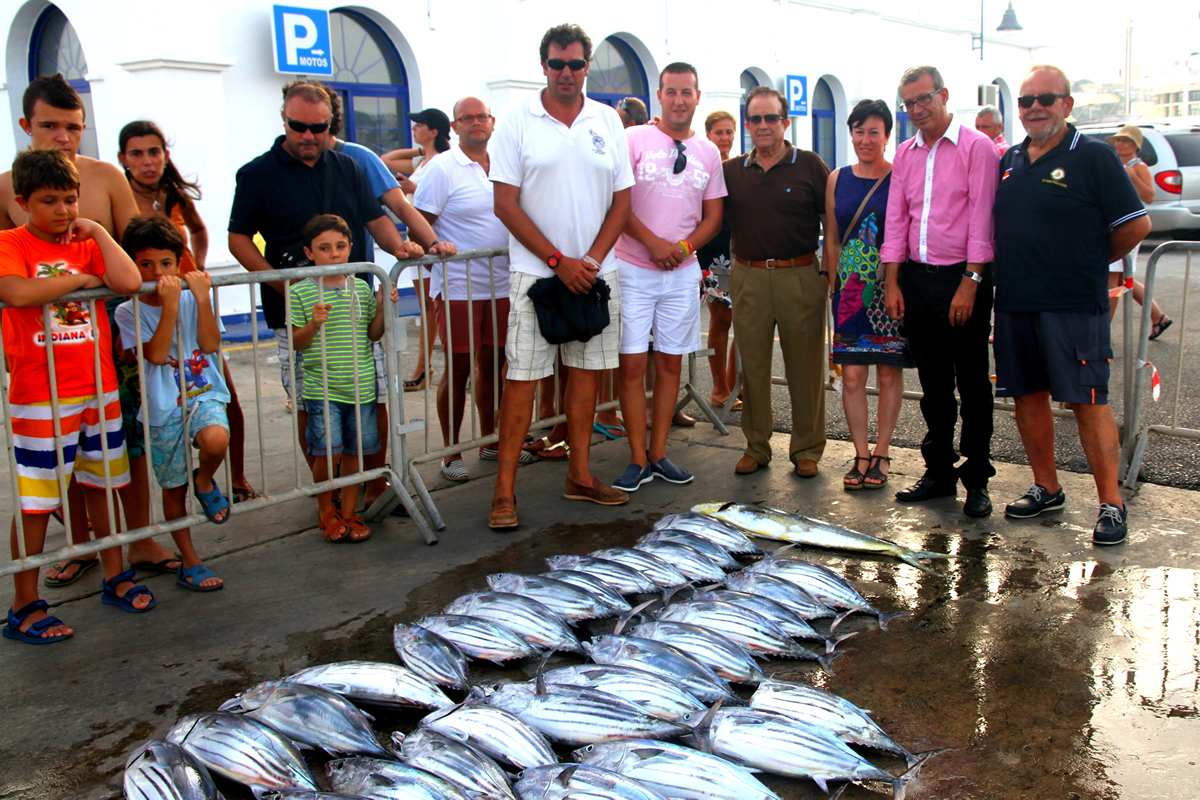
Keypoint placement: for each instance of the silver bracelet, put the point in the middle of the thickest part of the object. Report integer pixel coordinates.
(587, 259)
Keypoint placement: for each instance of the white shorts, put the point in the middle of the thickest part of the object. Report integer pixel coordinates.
(1119, 267)
(667, 302)
(531, 358)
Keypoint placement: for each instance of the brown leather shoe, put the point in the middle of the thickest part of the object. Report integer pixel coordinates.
(504, 513)
(597, 493)
(806, 468)
(746, 465)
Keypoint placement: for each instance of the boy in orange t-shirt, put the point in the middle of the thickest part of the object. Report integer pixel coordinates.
(53, 254)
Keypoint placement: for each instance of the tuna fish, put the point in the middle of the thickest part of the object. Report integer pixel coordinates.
(729, 538)
(566, 600)
(527, 618)
(740, 625)
(824, 585)
(375, 683)
(663, 574)
(675, 771)
(431, 656)
(731, 661)
(578, 782)
(242, 750)
(652, 693)
(479, 638)
(790, 623)
(161, 770)
(388, 780)
(715, 553)
(665, 660)
(593, 585)
(462, 765)
(308, 794)
(695, 565)
(789, 595)
(624, 579)
(494, 732)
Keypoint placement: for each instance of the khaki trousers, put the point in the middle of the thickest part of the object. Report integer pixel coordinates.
(792, 300)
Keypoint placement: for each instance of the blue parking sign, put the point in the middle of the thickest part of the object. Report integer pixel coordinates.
(301, 37)
(797, 95)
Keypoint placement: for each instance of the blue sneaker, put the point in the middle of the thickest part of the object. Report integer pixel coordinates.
(633, 477)
(670, 473)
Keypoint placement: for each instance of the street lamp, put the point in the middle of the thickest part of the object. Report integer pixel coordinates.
(1008, 23)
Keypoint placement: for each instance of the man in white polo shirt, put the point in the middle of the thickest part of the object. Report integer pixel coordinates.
(455, 195)
(561, 175)
(677, 207)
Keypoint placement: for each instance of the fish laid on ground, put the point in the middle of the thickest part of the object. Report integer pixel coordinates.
(729, 660)
(568, 601)
(676, 771)
(593, 585)
(310, 716)
(579, 782)
(524, 616)
(471, 771)
(242, 750)
(388, 780)
(494, 732)
(621, 577)
(788, 595)
(728, 537)
(479, 638)
(824, 585)
(789, 622)
(670, 662)
(652, 693)
(784, 526)
(308, 794)
(695, 565)
(376, 683)
(664, 575)
(576, 715)
(431, 656)
(715, 553)
(161, 770)
(738, 624)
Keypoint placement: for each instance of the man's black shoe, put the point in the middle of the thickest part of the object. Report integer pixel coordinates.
(978, 504)
(926, 489)
(1112, 525)
(1034, 502)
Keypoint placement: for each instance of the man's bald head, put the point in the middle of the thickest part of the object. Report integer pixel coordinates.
(473, 123)
(468, 99)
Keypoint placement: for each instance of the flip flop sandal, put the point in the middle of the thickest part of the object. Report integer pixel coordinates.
(125, 602)
(243, 493)
(852, 481)
(159, 567)
(197, 574)
(334, 527)
(34, 635)
(359, 532)
(875, 473)
(84, 565)
(554, 452)
(611, 431)
(211, 502)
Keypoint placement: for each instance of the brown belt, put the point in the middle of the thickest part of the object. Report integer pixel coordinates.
(776, 263)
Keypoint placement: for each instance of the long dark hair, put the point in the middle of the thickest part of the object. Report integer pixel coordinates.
(178, 191)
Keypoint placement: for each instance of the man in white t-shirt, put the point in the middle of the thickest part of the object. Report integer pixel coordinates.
(677, 207)
(455, 195)
(561, 175)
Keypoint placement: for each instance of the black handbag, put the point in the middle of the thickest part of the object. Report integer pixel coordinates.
(564, 316)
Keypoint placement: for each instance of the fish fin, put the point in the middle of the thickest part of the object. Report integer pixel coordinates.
(830, 644)
(838, 619)
(633, 612)
(838, 792)
(826, 661)
(539, 677)
(911, 560)
(821, 781)
(707, 719)
(919, 759)
(923, 554)
(724, 506)
(884, 619)
(669, 593)
(712, 587)
(564, 777)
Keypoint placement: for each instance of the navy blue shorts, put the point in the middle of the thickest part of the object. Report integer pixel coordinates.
(1066, 353)
(343, 428)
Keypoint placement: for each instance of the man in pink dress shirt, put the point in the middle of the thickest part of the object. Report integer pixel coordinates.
(937, 277)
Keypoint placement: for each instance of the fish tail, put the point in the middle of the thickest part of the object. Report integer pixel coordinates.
(831, 644)
(919, 759)
(884, 619)
(826, 661)
(900, 784)
(838, 619)
(910, 558)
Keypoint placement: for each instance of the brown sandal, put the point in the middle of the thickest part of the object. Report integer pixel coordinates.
(359, 532)
(874, 473)
(243, 493)
(853, 480)
(334, 527)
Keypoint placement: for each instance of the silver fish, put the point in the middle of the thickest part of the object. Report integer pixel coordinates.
(729, 660)
(729, 538)
(524, 616)
(695, 566)
(738, 624)
(388, 780)
(788, 595)
(653, 693)
(624, 579)
(663, 574)
(479, 638)
(784, 526)
(823, 584)
(575, 715)
(494, 732)
(579, 782)
(310, 716)
(595, 586)
(375, 683)
(670, 662)
(566, 600)
(717, 554)
(308, 794)
(460, 764)
(676, 771)
(789, 622)
(431, 656)
(242, 750)
(161, 770)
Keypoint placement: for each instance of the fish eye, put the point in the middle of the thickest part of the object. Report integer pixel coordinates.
(589, 748)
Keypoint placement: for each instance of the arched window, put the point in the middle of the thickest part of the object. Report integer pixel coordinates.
(824, 131)
(748, 83)
(54, 48)
(903, 128)
(370, 78)
(616, 73)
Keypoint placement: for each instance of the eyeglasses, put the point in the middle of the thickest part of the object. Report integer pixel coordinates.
(921, 101)
(469, 118)
(680, 159)
(1045, 100)
(770, 119)
(558, 64)
(305, 127)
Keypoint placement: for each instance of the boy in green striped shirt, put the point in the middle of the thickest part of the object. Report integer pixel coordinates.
(340, 314)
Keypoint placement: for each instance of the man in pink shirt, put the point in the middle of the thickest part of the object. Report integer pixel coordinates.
(937, 279)
(990, 122)
(677, 207)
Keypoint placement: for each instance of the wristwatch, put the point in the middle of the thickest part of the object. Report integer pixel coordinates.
(975, 276)
(553, 260)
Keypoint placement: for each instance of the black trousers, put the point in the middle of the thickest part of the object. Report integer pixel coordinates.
(948, 356)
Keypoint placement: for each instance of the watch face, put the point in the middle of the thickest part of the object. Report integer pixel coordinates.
(552, 261)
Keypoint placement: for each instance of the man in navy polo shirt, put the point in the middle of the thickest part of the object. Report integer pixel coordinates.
(1064, 210)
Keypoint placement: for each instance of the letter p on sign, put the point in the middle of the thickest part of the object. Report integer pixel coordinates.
(301, 41)
(298, 32)
(797, 95)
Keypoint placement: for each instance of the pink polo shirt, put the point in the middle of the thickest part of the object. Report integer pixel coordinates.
(940, 205)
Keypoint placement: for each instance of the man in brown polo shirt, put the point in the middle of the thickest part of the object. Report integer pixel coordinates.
(775, 208)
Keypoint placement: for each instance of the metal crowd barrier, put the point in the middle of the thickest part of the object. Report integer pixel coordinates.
(304, 487)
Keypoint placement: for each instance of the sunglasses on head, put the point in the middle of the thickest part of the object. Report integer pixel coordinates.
(1045, 100)
(680, 159)
(770, 119)
(575, 64)
(304, 127)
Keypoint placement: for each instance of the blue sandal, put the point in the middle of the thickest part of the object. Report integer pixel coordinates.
(212, 502)
(34, 635)
(611, 432)
(125, 603)
(197, 574)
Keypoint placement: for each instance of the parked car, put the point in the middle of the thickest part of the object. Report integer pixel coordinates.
(1172, 151)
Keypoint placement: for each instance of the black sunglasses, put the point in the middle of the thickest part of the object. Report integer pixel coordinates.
(575, 64)
(770, 119)
(680, 159)
(304, 127)
(1045, 100)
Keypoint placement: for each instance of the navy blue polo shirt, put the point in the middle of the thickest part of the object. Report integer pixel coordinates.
(277, 195)
(1053, 220)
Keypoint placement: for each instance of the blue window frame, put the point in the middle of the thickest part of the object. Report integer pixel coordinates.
(369, 76)
(903, 127)
(616, 73)
(54, 48)
(824, 127)
(748, 83)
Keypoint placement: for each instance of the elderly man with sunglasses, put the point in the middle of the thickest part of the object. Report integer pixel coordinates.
(1065, 209)
(775, 208)
(937, 279)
